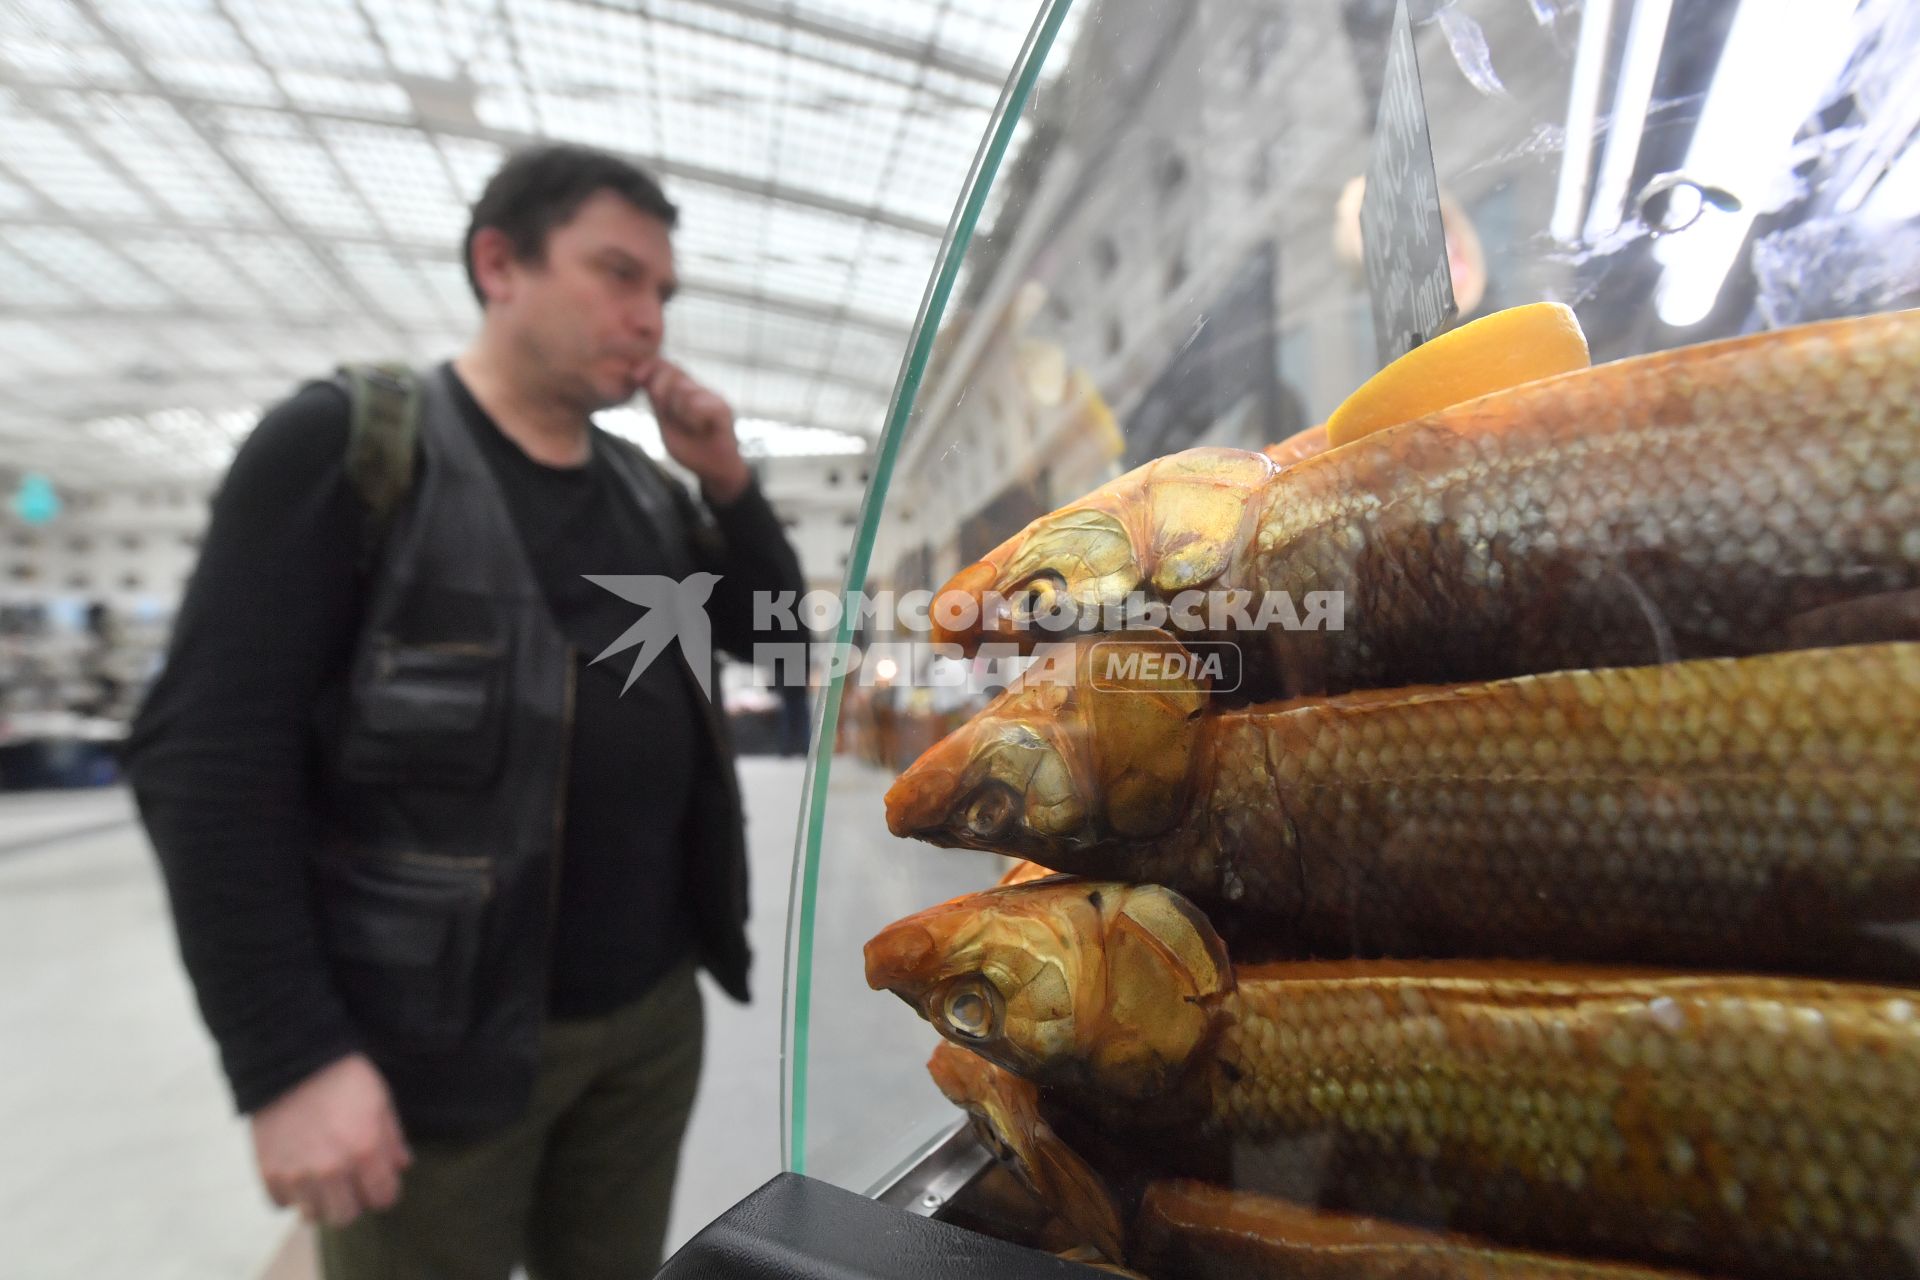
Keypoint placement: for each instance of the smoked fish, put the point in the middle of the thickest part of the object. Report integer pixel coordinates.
(1752, 1125)
(1199, 1231)
(1730, 498)
(1754, 813)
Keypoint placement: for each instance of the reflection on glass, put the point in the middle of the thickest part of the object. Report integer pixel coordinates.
(1501, 818)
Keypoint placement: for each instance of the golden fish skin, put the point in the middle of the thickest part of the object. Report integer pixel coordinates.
(1006, 1115)
(1691, 503)
(1748, 813)
(1716, 1121)
(1203, 1232)
(1753, 813)
(1724, 1122)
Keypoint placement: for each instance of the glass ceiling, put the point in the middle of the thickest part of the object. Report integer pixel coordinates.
(203, 202)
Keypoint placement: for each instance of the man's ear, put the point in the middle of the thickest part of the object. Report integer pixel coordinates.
(492, 257)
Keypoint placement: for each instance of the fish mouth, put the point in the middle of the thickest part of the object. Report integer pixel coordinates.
(913, 802)
(965, 593)
(898, 956)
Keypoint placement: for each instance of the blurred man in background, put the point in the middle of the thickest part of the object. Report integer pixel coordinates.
(441, 879)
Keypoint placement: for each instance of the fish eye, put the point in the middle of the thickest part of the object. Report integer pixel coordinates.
(990, 812)
(1043, 594)
(970, 1009)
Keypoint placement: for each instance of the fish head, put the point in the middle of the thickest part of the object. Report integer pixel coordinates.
(1093, 985)
(1169, 526)
(1073, 755)
(1004, 1111)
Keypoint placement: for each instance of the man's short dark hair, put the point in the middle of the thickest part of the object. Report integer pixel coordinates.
(541, 188)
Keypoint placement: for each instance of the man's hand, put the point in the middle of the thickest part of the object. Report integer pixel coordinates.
(331, 1146)
(697, 427)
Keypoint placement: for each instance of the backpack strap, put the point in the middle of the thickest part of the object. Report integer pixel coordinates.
(382, 438)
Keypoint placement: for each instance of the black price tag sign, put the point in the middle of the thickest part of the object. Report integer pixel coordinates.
(1408, 276)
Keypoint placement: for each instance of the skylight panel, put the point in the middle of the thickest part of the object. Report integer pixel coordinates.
(84, 262)
(473, 163)
(314, 35)
(850, 408)
(809, 252)
(199, 277)
(447, 281)
(717, 225)
(304, 182)
(794, 340)
(14, 198)
(509, 110)
(45, 157)
(221, 80)
(853, 57)
(147, 137)
(572, 47)
(286, 272)
(398, 173)
(25, 285)
(169, 28)
(913, 19)
(615, 122)
(389, 281)
(891, 272)
(77, 62)
(25, 344)
(993, 35)
(433, 38)
(223, 348)
(865, 356)
(321, 92)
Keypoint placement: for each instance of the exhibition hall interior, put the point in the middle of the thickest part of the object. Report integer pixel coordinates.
(1347, 672)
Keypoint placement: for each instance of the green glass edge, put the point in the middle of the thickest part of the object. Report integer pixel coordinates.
(807, 879)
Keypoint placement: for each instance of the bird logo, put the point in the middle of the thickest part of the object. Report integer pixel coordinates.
(675, 609)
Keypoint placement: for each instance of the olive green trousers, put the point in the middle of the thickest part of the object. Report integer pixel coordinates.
(578, 1188)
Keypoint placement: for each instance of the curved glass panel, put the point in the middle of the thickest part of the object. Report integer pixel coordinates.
(858, 1145)
(1538, 680)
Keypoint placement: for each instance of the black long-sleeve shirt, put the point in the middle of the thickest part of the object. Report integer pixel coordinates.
(222, 752)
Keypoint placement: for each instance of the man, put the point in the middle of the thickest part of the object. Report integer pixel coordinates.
(440, 878)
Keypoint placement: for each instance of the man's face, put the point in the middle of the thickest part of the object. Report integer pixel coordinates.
(592, 313)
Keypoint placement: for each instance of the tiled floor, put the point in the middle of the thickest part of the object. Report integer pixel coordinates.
(122, 1156)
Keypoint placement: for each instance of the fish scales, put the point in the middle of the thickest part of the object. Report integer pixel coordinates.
(1693, 502)
(1730, 1123)
(1754, 1122)
(1736, 497)
(1755, 813)
(1199, 1232)
(1198, 1229)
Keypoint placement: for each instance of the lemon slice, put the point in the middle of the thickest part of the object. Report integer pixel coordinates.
(1490, 354)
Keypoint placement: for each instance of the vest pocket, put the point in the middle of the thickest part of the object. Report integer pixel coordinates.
(428, 714)
(403, 933)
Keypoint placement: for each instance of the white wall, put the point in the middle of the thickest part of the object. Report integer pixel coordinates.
(135, 546)
(132, 547)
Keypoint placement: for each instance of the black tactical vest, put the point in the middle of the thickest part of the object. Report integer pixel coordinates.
(445, 784)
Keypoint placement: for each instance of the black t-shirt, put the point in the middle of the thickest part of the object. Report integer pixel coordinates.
(622, 918)
(221, 751)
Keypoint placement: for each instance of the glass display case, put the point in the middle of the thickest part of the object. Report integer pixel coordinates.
(1158, 250)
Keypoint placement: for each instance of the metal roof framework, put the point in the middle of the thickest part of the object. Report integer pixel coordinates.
(205, 202)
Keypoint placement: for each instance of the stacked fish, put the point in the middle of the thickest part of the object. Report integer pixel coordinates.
(1557, 915)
